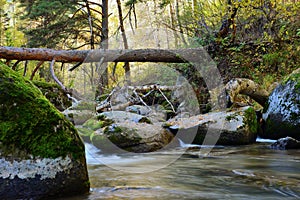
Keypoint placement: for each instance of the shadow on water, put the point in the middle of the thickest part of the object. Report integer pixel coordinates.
(241, 172)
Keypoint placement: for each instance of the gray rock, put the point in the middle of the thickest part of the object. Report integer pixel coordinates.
(138, 109)
(121, 116)
(286, 143)
(225, 128)
(282, 112)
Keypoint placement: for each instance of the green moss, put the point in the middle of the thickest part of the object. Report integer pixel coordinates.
(231, 117)
(45, 85)
(251, 120)
(294, 77)
(105, 121)
(145, 120)
(31, 123)
(54, 94)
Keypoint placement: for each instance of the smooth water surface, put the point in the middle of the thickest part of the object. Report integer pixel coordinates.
(241, 172)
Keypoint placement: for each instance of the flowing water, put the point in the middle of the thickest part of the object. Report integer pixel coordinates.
(240, 172)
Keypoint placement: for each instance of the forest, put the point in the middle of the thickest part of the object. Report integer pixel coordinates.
(251, 39)
(96, 96)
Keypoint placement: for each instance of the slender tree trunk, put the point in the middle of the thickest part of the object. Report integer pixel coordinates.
(104, 45)
(179, 22)
(126, 66)
(173, 24)
(90, 19)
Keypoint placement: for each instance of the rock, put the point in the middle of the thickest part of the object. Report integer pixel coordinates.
(154, 113)
(54, 94)
(282, 113)
(81, 112)
(121, 116)
(235, 128)
(132, 137)
(286, 143)
(138, 109)
(78, 117)
(41, 154)
(119, 131)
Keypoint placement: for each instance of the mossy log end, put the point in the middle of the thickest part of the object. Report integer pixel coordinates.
(247, 87)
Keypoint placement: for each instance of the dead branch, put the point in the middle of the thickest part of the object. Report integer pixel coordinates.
(54, 77)
(167, 100)
(154, 87)
(35, 69)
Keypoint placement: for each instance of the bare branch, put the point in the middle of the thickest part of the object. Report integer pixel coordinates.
(35, 69)
(54, 77)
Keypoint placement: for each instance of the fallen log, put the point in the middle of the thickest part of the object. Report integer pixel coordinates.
(136, 55)
(247, 87)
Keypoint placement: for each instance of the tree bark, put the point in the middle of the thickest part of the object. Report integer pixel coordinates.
(97, 55)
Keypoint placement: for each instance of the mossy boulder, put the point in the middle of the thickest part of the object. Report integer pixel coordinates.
(282, 113)
(238, 127)
(41, 153)
(132, 137)
(119, 131)
(54, 94)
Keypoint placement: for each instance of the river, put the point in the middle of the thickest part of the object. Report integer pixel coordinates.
(237, 172)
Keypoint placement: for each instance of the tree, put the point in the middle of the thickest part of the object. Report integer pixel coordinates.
(64, 24)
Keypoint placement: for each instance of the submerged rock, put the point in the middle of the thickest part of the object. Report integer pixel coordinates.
(286, 143)
(41, 154)
(225, 128)
(282, 112)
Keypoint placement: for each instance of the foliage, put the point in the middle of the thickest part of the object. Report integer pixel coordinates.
(61, 23)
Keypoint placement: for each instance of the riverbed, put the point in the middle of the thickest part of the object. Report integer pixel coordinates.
(233, 172)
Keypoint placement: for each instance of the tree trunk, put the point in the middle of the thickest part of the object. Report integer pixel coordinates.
(104, 45)
(126, 66)
(97, 55)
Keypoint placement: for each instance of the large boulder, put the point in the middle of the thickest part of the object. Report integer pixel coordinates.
(41, 154)
(119, 131)
(282, 113)
(236, 127)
